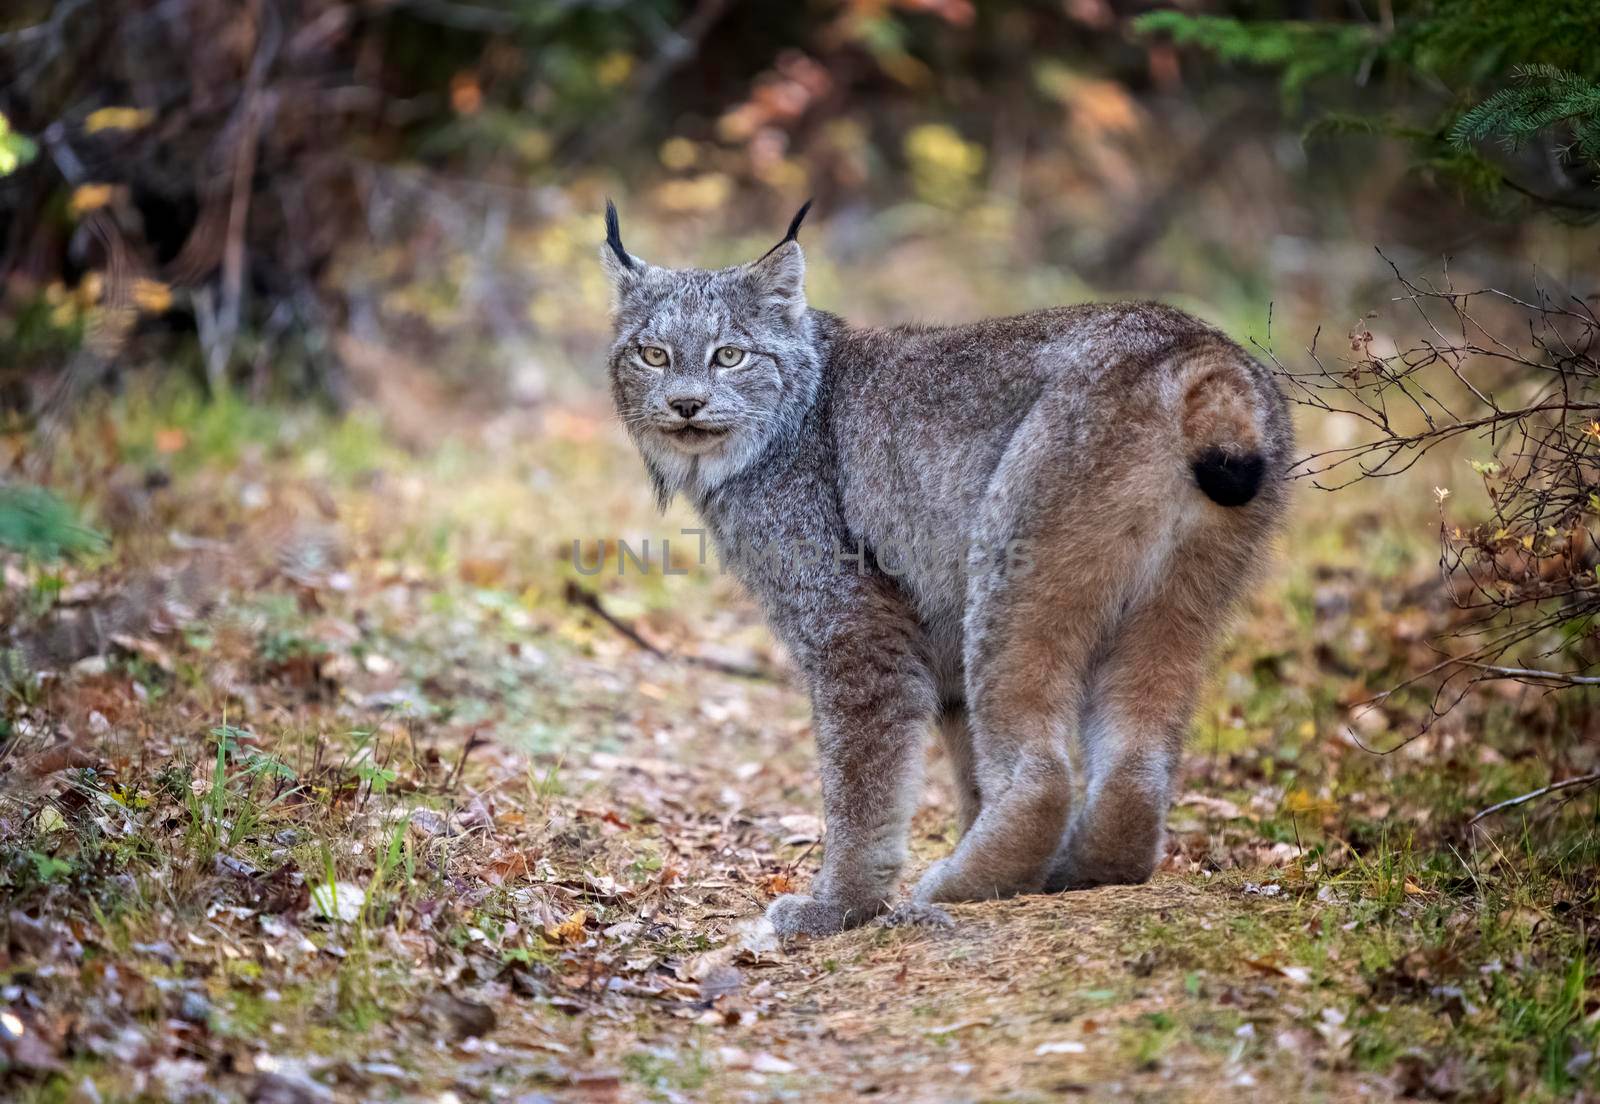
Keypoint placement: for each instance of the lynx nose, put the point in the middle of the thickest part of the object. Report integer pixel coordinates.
(687, 406)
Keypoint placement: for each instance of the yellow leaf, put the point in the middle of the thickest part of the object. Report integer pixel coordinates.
(1303, 801)
(569, 930)
(613, 69)
(90, 197)
(90, 288)
(1527, 542)
(151, 296)
(118, 118)
(678, 153)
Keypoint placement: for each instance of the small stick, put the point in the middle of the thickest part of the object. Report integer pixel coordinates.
(474, 741)
(589, 600)
(1566, 784)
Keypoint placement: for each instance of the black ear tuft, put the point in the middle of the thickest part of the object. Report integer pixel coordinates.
(792, 235)
(614, 235)
(799, 217)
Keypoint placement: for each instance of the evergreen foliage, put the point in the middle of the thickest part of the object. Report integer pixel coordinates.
(1302, 51)
(1545, 50)
(1542, 97)
(40, 526)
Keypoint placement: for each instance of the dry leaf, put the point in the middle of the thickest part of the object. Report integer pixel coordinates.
(90, 197)
(775, 885)
(118, 118)
(569, 930)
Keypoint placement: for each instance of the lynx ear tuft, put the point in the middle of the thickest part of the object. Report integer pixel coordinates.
(614, 236)
(794, 225)
(623, 267)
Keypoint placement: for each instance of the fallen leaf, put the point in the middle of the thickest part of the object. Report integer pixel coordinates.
(953, 1028)
(776, 885)
(337, 901)
(720, 981)
(569, 930)
(770, 1063)
(1300, 975)
(464, 1019)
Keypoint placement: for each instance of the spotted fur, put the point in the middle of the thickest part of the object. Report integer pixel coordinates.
(1088, 491)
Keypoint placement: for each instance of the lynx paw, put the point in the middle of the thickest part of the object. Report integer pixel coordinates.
(1074, 868)
(794, 914)
(916, 914)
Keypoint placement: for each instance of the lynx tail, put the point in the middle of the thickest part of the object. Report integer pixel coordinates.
(1220, 426)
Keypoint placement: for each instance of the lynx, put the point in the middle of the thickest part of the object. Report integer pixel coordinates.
(1075, 499)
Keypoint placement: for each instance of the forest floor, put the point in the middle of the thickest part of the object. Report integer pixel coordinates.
(332, 779)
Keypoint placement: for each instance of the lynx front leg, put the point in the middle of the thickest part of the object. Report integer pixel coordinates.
(872, 700)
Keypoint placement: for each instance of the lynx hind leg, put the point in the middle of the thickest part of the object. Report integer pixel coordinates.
(955, 733)
(1142, 696)
(1029, 641)
(1030, 628)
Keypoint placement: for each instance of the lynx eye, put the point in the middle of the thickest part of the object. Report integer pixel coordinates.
(653, 355)
(729, 356)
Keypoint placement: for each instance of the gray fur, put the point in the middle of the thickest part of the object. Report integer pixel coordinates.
(1066, 437)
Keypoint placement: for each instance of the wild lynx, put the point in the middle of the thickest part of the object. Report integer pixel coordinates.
(1030, 530)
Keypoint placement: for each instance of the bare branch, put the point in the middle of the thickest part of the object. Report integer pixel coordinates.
(1517, 376)
(1534, 795)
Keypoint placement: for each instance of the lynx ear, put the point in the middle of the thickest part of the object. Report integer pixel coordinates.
(781, 272)
(622, 267)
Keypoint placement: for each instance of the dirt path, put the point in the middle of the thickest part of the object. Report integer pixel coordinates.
(1147, 991)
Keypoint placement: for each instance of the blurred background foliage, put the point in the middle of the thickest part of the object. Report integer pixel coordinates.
(393, 203)
(295, 195)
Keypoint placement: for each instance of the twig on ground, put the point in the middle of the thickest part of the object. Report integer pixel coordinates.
(473, 742)
(587, 599)
(1566, 784)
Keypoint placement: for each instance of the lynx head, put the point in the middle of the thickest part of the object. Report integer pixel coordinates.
(708, 367)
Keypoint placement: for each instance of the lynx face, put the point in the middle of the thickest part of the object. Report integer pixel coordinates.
(708, 365)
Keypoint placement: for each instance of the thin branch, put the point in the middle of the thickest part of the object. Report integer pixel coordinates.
(1543, 676)
(1566, 784)
(1517, 376)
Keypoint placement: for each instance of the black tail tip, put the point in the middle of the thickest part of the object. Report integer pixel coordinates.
(1228, 480)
